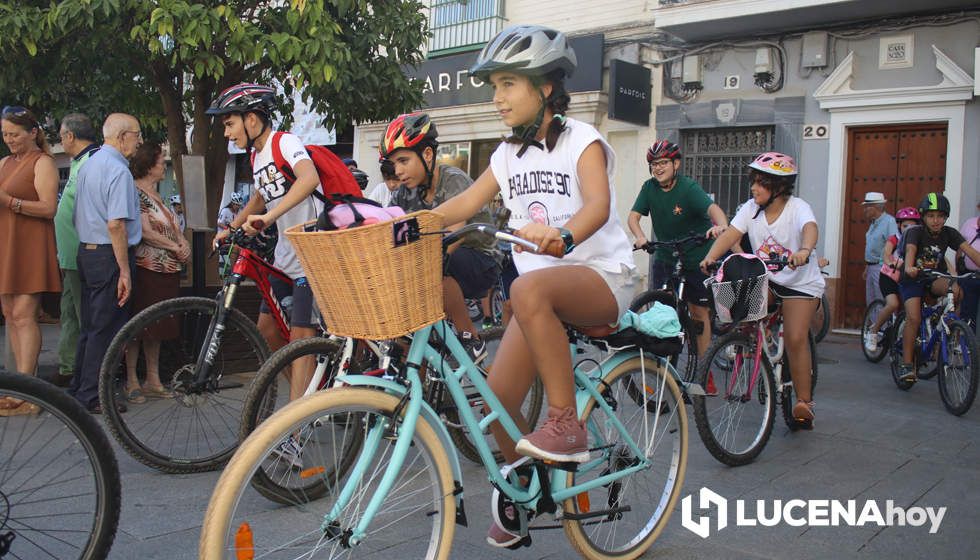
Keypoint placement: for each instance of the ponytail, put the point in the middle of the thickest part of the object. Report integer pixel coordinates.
(41, 140)
(557, 102)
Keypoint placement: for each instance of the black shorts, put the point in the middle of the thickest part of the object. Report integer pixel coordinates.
(507, 276)
(474, 270)
(695, 291)
(303, 312)
(887, 285)
(782, 292)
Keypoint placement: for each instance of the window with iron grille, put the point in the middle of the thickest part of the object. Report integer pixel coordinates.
(717, 159)
(459, 25)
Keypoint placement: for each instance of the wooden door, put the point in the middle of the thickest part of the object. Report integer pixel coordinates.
(904, 162)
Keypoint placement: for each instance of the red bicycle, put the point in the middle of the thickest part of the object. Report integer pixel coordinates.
(209, 355)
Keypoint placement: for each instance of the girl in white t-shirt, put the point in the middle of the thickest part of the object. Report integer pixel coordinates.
(555, 176)
(782, 225)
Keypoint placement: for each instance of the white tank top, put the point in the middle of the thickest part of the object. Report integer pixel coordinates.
(544, 187)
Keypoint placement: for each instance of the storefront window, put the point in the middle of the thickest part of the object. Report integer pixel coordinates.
(456, 154)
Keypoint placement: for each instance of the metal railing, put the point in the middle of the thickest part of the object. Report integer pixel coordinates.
(458, 24)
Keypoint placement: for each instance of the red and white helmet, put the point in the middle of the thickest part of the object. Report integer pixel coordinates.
(908, 213)
(663, 149)
(411, 130)
(774, 163)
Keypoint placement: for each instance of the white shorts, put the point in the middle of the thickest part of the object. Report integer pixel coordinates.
(622, 284)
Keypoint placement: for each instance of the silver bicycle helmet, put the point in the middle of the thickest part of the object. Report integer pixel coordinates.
(526, 49)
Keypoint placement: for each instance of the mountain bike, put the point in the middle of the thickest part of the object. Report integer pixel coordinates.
(739, 371)
(945, 344)
(207, 369)
(334, 356)
(59, 481)
(671, 293)
(406, 470)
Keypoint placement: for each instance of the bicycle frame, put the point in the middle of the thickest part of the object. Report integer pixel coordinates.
(422, 351)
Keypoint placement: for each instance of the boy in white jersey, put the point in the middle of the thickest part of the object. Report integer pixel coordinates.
(245, 111)
(555, 176)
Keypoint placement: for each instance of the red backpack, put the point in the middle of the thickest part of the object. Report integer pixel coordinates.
(335, 178)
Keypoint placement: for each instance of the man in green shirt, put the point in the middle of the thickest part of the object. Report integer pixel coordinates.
(678, 207)
(78, 140)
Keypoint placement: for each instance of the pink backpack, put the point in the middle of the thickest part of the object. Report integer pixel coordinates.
(342, 211)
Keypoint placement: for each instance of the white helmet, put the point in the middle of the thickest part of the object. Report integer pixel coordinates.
(526, 49)
(175, 199)
(236, 198)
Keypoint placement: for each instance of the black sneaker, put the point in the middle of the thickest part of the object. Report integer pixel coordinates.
(475, 347)
(908, 374)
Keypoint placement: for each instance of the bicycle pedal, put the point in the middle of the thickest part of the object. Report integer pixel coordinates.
(525, 541)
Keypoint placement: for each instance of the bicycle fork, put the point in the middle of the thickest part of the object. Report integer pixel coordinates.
(212, 339)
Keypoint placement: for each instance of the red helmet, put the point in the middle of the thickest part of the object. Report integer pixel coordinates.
(907, 213)
(663, 149)
(412, 130)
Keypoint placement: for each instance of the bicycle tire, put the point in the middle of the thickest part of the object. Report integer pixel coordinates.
(823, 314)
(870, 316)
(690, 349)
(928, 367)
(221, 531)
(788, 400)
(261, 402)
(958, 395)
(57, 415)
(459, 433)
(731, 412)
(634, 530)
(242, 348)
(895, 355)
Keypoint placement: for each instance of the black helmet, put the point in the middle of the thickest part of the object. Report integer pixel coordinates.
(933, 202)
(531, 50)
(244, 98)
(361, 178)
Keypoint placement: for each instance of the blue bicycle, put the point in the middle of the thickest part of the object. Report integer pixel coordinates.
(401, 495)
(949, 343)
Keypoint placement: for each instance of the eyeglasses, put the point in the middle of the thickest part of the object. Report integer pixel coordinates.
(16, 111)
(139, 134)
(661, 163)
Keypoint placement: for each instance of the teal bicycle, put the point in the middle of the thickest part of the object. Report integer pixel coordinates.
(394, 482)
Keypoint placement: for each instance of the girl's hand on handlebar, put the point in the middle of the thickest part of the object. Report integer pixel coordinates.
(707, 262)
(546, 237)
(715, 231)
(799, 258)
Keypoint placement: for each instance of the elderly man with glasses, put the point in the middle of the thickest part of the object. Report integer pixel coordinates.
(882, 227)
(107, 219)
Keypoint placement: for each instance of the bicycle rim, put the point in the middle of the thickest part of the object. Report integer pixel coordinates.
(420, 502)
(658, 424)
(59, 482)
(870, 316)
(958, 376)
(735, 419)
(190, 431)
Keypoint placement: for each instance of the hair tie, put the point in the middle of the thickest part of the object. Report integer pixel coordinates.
(560, 118)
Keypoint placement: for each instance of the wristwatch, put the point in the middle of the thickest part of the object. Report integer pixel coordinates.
(566, 237)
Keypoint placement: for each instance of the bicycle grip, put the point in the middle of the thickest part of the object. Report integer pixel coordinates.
(556, 249)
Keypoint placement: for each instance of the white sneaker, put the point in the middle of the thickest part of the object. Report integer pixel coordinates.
(289, 452)
(871, 341)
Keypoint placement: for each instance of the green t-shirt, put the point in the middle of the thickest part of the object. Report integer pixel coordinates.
(676, 213)
(66, 238)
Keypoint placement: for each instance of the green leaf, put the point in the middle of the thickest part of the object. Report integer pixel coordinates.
(31, 46)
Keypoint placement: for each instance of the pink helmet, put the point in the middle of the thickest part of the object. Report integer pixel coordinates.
(908, 213)
(774, 163)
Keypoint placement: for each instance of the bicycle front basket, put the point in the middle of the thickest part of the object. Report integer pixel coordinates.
(743, 300)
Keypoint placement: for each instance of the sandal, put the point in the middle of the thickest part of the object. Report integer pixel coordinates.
(135, 396)
(23, 408)
(160, 392)
(803, 414)
(10, 403)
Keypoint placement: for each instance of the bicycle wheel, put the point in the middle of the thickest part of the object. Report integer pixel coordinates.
(961, 370)
(787, 380)
(895, 356)
(59, 481)
(191, 430)
(457, 430)
(735, 417)
(646, 498)
(686, 362)
(277, 480)
(821, 320)
(870, 316)
(421, 500)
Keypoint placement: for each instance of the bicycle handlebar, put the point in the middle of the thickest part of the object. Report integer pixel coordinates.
(488, 229)
(772, 265)
(936, 273)
(695, 239)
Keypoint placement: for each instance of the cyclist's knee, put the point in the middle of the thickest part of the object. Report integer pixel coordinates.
(528, 295)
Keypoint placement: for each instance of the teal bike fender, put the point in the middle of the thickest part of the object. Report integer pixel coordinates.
(427, 413)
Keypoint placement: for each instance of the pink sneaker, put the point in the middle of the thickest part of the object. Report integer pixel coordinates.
(500, 537)
(561, 438)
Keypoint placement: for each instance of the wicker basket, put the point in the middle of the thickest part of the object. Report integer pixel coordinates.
(366, 287)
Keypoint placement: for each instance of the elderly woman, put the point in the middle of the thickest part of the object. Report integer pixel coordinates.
(28, 256)
(158, 259)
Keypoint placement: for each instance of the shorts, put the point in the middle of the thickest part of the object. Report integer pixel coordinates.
(782, 292)
(887, 285)
(695, 292)
(302, 312)
(912, 288)
(507, 276)
(475, 271)
(621, 284)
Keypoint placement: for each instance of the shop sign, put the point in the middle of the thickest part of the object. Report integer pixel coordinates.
(629, 92)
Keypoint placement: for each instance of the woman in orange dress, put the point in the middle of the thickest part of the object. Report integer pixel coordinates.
(28, 257)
